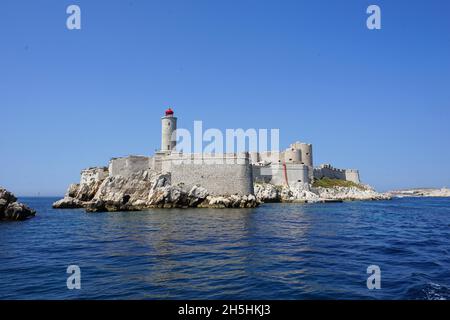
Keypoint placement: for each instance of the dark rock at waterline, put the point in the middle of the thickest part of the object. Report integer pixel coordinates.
(6, 196)
(98, 205)
(10, 209)
(69, 203)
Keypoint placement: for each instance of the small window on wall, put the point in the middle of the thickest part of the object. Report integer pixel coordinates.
(307, 153)
(290, 159)
(299, 180)
(168, 147)
(168, 124)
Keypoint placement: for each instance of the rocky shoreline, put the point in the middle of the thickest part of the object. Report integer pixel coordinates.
(148, 189)
(10, 209)
(307, 194)
(144, 190)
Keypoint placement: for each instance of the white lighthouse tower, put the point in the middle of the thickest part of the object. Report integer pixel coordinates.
(168, 127)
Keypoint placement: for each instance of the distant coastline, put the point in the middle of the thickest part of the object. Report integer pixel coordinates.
(420, 192)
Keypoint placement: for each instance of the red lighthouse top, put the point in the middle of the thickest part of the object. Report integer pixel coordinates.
(169, 112)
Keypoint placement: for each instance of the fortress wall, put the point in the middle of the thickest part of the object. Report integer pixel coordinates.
(327, 171)
(352, 175)
(274, 174)
(272, 157)
(207, 158)
(91, 175)
(220, 174)
(262, 174)
(126, 166)
(156, 162)
(296, 173)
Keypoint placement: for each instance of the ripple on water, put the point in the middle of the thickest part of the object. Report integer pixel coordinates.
(276, 251)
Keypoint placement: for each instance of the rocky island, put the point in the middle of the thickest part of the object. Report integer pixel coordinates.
(142, 190)
(173, 179)
(149, 189)
(10, 209)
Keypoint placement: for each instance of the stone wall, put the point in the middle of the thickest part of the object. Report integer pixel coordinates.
(296, 173)
(127, 166)
(297, 153)
(220, 174)
(262, 173)
(95, 174)
(274, 174)
(271, 156)
(327, 171)
(352, 175)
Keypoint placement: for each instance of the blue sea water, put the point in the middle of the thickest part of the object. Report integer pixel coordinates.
(276, 251)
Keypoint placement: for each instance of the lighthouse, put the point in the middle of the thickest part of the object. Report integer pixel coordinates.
(168, 127)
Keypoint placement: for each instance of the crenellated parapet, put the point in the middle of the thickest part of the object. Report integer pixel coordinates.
(328, 171)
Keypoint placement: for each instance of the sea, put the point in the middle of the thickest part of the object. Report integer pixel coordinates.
(275, 251)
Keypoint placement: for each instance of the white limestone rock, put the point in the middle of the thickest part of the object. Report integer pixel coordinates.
(266, 192)
(168, 197)
(123, 192)
(79, 194)
(298, 192)
(197, 195)
(350, 193)
(140, 191)
(233, 201)
(68, 203)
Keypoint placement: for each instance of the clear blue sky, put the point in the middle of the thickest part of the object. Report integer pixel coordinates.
(374, 100)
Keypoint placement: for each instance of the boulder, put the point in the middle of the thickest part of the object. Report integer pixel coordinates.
(299, 192)
(197, 195)
(68, 203)
(267, 192)
(10, 209)
(7, 196)
(233, 201)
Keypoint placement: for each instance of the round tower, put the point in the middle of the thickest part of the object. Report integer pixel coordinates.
(168, 127)
(306, 151)
(292, 155)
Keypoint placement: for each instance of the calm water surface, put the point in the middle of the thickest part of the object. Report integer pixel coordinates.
(276, 251)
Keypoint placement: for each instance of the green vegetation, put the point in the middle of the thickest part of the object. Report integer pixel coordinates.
(330, 183)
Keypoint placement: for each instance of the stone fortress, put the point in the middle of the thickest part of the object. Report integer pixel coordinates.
(227, 173)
